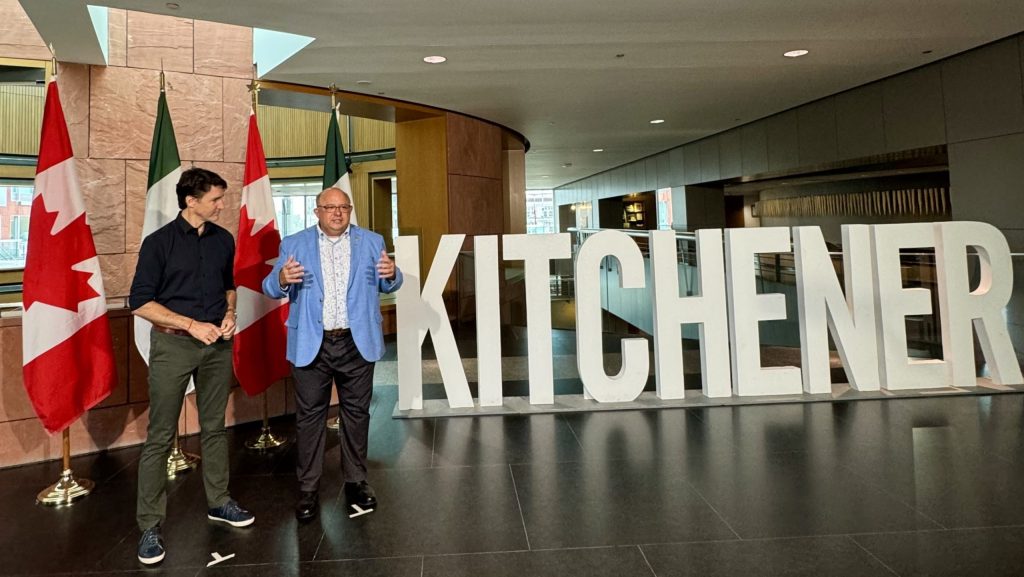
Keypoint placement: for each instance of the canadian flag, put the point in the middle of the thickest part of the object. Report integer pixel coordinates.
(259, 349)
(67, 352)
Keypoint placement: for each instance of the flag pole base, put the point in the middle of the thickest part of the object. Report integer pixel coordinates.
(181, 462)
(266, 441)
(334, 424)
(65, 491)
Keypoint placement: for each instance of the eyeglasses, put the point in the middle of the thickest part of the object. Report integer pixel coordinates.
(335, 207)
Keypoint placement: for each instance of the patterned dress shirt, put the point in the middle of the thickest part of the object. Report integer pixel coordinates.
(335, 256)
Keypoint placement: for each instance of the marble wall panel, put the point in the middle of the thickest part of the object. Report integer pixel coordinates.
(122, 112)
(223, 49)
(74, 98)
(117, 37)
(119, 331)
(26, 441)
(233, 173)
(118, 271)
(196, 109)
(138, 372)
(109, 428)
(156, 41)
(136, 176)
(14, 401)
(18, 37)
(237, 104)
(241, 408)
(102, 182)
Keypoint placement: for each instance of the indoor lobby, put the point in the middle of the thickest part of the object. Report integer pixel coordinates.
(482, 138)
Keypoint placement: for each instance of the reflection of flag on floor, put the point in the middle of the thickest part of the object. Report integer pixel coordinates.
(336, 164)
(259, 349)
(68, 354)
(161, 198)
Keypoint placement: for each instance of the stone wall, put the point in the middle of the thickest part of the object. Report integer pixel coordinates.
(111, 111)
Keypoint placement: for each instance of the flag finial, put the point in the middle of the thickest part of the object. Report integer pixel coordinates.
(162, 79)
(334, 95)
(53, 60)
(254, 86)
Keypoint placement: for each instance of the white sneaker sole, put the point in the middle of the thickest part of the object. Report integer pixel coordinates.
(152, 560)
(245, 523)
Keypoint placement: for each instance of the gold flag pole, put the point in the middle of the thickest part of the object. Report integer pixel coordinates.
(178, 461)
(267, 440)
(335, 423)
(68, 488)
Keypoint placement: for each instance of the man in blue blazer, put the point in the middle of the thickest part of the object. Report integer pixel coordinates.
(332, 274)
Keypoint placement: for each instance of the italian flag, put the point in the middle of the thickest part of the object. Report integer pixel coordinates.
(336, 164)
(259, 346)
(161, 196)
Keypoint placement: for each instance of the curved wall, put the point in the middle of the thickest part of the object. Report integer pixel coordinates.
(111, 112)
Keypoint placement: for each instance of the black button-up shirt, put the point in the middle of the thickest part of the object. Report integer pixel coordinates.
(185, 272)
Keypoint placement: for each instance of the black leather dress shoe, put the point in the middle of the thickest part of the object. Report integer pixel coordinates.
(308, 505)
(360, 494)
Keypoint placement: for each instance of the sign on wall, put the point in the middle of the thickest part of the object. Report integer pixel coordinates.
(865, 316)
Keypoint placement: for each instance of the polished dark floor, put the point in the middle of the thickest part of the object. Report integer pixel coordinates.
(908, 487)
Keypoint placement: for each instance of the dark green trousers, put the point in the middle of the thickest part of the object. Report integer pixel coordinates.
(173, 360)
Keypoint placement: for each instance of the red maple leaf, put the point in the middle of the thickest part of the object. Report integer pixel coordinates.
(48, 274)
(253, 252)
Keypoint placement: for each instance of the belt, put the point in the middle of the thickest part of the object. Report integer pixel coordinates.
(333, 333)
(171, 331)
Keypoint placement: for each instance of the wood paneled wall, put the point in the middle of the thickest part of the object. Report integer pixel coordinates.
(475, 178)
(291, 132)
(23, 117)
(421, 153)
(370, 134)
(513, 176)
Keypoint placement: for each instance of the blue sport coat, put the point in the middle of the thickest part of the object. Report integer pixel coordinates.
(306, 313)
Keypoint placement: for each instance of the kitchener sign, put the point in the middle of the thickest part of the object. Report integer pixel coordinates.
(866, 317)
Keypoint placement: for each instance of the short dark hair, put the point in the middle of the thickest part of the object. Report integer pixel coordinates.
(197, 182)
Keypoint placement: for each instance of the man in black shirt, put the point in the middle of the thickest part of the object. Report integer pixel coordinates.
(184, 285)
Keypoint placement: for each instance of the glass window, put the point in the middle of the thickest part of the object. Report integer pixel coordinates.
(540, 212)
(294, 202)
(14, 218)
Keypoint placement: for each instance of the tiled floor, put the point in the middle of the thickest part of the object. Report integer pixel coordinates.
(907, 487)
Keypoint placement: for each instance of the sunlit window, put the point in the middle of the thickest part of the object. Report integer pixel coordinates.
(294, 202)
(14, 216)
(540, 212)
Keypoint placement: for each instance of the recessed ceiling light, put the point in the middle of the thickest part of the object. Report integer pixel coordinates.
(364, 82)
(795, 53)
(598, 150)
(658, 121)
(544, 176)
(434, 59)
(172, 5)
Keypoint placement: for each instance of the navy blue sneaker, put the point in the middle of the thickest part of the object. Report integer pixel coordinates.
(151, 546)
(232, 514)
